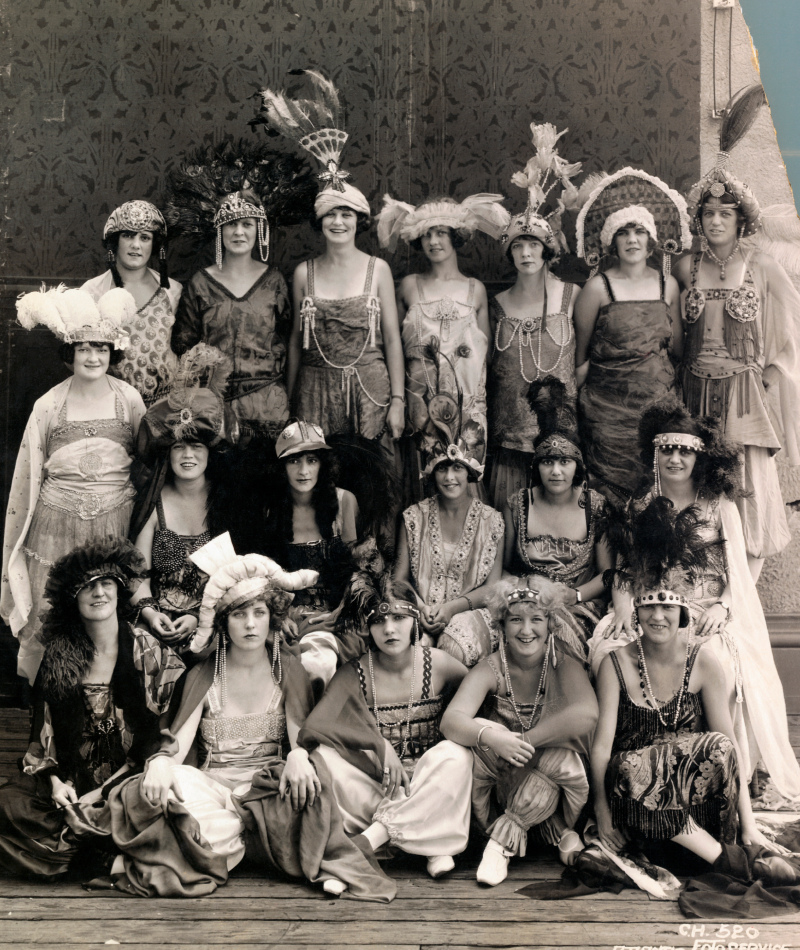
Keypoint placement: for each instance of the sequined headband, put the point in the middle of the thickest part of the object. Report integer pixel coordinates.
(523, 595)
(667, 598)
(557, 445)
(679, 438)
(399, 607)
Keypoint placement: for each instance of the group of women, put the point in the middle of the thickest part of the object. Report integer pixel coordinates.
(595, 629)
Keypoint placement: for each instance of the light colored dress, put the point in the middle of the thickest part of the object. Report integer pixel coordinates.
(71, 485)
(433, 818)
(441, 574)
(526, 350)
(149, 363)
(454, 328)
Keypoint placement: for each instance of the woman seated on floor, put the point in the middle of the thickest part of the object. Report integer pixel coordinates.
(377, 727)
(537, 713)
(182, 829)
(665, 763)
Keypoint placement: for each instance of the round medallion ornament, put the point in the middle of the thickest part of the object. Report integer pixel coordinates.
(90, 464)
(716, 189)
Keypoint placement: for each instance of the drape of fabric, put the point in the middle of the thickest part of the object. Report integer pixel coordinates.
(629, 368)
(84, 738)
(661, 778)
(253, 330)
(74, 479)
(149, 363)
(730, 388)
(561, 559)
(439, 578)
(525, 350)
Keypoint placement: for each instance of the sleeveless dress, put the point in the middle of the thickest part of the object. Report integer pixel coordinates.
(561, 559)
(629, 368)
(343, 382)
(441, 574)
(86, 494)
(253, 331)
(661, 777)
(433, 819)
(462, 350)
(176, 583)
(149, 363)
(525, 350)
(723, 364)
(552, 783)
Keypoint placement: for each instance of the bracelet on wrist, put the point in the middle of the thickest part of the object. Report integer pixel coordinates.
(470, 605)
(578, 596)
(401, 398)
(483, 748)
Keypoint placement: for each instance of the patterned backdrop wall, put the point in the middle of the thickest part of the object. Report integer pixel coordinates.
(104, 96)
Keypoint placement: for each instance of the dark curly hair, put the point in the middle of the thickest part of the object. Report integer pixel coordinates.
(219, 491)
(612, 248)
(324, 500)
(66, 352)
(277, 601)
(547, 252)
(363, 221)
(577, 479)
(111, 243)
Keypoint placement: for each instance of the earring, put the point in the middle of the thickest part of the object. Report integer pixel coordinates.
(656, 473)
(219, 248)
(221, 668)
(110, 256)
(552, 649)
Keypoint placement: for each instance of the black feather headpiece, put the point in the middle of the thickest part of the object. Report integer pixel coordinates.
(555, 416)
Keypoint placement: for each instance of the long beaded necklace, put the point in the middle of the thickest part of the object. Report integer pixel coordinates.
(510, 689)
(721, 262)
(524, 331)
(407, 729)
(644, 683)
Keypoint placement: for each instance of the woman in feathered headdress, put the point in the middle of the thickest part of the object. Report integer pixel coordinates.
(627, 318)
(533, 332)
(742, 315)
(134, 232)
(694, 468)
(665, 761)
(72, 477)
(180, 506)
(377, 728)
(537, 714)
(236, 194)
(443, 314)
(97, 699)
(345, 371)
(256, 790)
(554, 529)
(450, 545)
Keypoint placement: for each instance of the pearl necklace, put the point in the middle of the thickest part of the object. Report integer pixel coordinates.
(644, 681)
(407, 730)
(526, 328)
(717, 260)
(539, 689)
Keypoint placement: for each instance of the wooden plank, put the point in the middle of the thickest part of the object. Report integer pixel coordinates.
(422, 933)
(480, 907)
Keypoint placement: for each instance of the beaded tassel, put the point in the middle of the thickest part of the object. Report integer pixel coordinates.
(666, 264)
(308, 313)
(219, 248)
(221, 669)
(276, 659)
(656, 473)
(373, 314)
(263, 239)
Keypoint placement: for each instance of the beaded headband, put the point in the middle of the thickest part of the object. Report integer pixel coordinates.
(398, 607)
(235, 207)
(523, 595)
(453, 453)
(555, 446)
(667, 598)
(531, 225)
(692, 442)
(135, 216)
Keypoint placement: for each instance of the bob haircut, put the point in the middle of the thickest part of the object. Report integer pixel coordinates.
(449, 463)
(66, 352)
(363, 221)
(547, 252)
(111, 243)
(458, 238)
(651, 244)
(277, 601)
(549, 600)
(536, 477)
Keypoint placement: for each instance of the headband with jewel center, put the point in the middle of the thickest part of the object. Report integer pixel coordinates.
(398, 607)
(667, 598)
(679, 438)
(524, 595)
(556, 446)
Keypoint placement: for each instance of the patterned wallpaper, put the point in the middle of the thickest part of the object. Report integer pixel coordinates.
(104, 96)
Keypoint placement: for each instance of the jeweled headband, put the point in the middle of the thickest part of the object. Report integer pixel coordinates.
(398, 607)
(692, 442)
(555, 446)
(524, 595)
(667, 598)
(234, 207)
(96, 574)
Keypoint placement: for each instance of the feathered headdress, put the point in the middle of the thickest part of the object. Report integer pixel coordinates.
(372, 593)
(543, 172)
(74, 317)
(555, 416)
(316, 126)
(481, 212)
(739, 115)
(631, 196)
(669, 423)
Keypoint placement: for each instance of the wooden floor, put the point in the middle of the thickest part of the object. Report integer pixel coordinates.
(454, 913)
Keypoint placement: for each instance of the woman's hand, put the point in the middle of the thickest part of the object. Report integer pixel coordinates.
(290, 630)
(159, 780)
(612, 837)
(752, 835)
(622, 602)
(395, 776)
(712, 620)
(509, 746)
(430, 621)
(396, 418)
(184, 627)
(160, 624)
(63, 792)
(299, 780)
(441, 615)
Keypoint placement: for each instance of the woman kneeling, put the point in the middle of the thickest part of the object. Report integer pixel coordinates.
(527, 744)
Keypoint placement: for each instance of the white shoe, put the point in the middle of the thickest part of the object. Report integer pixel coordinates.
(493, 868)
(440, 864)
(569, 847)
(334, 887)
